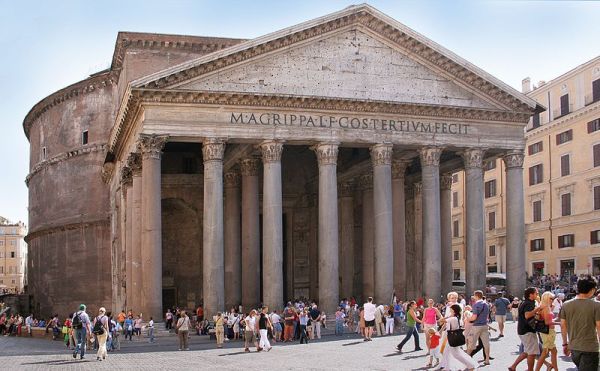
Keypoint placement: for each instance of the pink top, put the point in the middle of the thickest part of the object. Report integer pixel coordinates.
(429, 317)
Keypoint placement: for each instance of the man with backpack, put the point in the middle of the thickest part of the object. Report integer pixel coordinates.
(101, 330)
(80, 323)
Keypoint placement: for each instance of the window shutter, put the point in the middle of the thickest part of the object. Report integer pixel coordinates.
(597, 198)
(531, 171)
(596, 90)
(597, 155)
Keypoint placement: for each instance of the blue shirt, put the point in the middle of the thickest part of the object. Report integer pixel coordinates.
(501, 306)
(303, 320)
(397, 310)
(481, 309)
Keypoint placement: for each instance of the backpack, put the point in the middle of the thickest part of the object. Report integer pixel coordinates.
(98, 327)
(77, 324)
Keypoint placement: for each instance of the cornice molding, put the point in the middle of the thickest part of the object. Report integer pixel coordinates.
(64, 156)
(66, 227)
(564, 120)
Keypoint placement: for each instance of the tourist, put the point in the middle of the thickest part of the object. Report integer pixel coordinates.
(137, 325)
(501, 304)
(288, 315)
(169, 320)
(183, 329)
(454, 357)
(479, 331)
(315, 318)
(379, 318)
(219, 329)
(236, 325)
(81, 326)
(116, 335)
(121, 318)
(361, 322)
(249, 331)
(29, 323)
(303, 326)
(434, 347)
(580, 325)
(527, 334)
(549, 339)
(276, 321)
(398, 314)
(557, 304)
(339, 321)
(369, 316)
(467, 325)
(411, 324)
(430, 319)
(199, 313)
(101, 331)
(263, 326)
(129, 328)
(389, 321)
(514, 309)
(351, 317)
(452, 298)
(150, 328)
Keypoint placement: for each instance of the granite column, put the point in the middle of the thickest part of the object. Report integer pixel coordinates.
(399, 222)
(368, 237)
(250, 234)
(233, 259)
(135, 164)
(446, 231)
(346, 192)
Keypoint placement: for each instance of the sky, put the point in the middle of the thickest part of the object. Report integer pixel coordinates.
(47, 45)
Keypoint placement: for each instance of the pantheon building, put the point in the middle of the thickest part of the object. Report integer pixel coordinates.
(312, 162)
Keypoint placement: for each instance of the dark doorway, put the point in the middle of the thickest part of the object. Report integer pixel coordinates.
(567, 267)
(169, 298)
(286, 295)
(596, 266)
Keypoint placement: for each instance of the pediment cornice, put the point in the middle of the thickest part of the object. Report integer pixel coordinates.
(364, 16)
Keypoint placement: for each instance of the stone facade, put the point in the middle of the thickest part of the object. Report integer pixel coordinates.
(288, 161)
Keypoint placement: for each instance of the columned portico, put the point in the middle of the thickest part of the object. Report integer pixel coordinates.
(398, 221)
(328, 226)
(475, 232)
(233, 258)
(446, 231)
(250, 233)
(134, 162)
(432, 269)
(368, 237)
(272, 224)
(515, 223)
(151, 147)
(213, 285)
(381, 157)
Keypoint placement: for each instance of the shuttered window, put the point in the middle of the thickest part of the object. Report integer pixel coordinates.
(536, 245)
(597, 197)
(490, 188)
(596, 90)
(537, 211)
(564, 105)
(454, 199)
(593, 125)
(566, 204)
(536, 120)
(565, 165)
(491, 221)
(595, 237)
(536, 174)
(564, 137)
(597, 155)
(455, 229)
(566, 240)
(535, 148)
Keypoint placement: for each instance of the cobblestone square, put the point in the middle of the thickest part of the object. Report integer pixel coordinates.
(330, 353)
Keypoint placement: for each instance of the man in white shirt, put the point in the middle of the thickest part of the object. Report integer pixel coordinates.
(249, 336)
(369, 313)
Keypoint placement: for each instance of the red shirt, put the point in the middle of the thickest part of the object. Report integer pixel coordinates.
(435, 341)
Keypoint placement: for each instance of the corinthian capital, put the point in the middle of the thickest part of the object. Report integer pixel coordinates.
(249, 166)
(126, 176)
(430, 156)
(365, 181)
(381, 154)
(514, 159)
(151, 146)
(346, 189)
(473, 158)
(327, 153)
(418, 187)
(232, 179)
(213, 149)
(271, 150)
(446, 182)
(399, 168)
(134, 162)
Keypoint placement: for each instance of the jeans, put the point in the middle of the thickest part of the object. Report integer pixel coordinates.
(128, 333)
(80, 340)
(585, 361)
(151, 334)
(339, 327)
(412, 331)
(303, 334)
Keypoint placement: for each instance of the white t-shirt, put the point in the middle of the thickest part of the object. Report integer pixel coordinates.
(369, 311)
(250, 323)
(556, 305)
(275, 318)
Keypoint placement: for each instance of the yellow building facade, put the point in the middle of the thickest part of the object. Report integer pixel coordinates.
(13, 256)
(561, 174)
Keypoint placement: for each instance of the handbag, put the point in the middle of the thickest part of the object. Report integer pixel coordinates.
(456, 337)
(538, 325)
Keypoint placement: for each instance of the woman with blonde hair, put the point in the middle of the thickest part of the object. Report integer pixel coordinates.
(549, 339)
(219, 329)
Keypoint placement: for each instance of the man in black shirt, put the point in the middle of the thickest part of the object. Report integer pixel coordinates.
(315, 317)
(531, 348)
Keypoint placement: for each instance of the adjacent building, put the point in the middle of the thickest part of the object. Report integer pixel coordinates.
(561, 182)
(13, 256)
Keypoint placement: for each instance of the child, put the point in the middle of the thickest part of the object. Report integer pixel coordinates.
(434, 347)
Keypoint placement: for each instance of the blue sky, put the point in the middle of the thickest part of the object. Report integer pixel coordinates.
(47, 45)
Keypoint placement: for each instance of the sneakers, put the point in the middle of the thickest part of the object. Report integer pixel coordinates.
(417, 349)
(74, 354)
(98, 359)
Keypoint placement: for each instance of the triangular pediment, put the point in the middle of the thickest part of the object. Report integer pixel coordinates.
(357, 53)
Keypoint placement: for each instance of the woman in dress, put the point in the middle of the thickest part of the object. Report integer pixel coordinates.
(549, 339)
(455, 358)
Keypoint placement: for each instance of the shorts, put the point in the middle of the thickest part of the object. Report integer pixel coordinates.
(370, 323)
(500, 318)
(530, 342)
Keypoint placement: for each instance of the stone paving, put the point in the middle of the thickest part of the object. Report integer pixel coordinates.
(346, 352)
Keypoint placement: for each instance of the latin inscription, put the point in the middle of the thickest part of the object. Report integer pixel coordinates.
(347, 122)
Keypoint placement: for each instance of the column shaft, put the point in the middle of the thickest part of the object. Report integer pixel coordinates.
(446, 232)
(250, 234)
(475, 232)
(136, 243)
(151, 147)
(418, 237)
(381, 156)
(515, 224)
(432, 267)
(328, 227)
(346, 240)
(368, 237)
(233, 259)
(399, 231)
(128, 245)
(272, 225)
